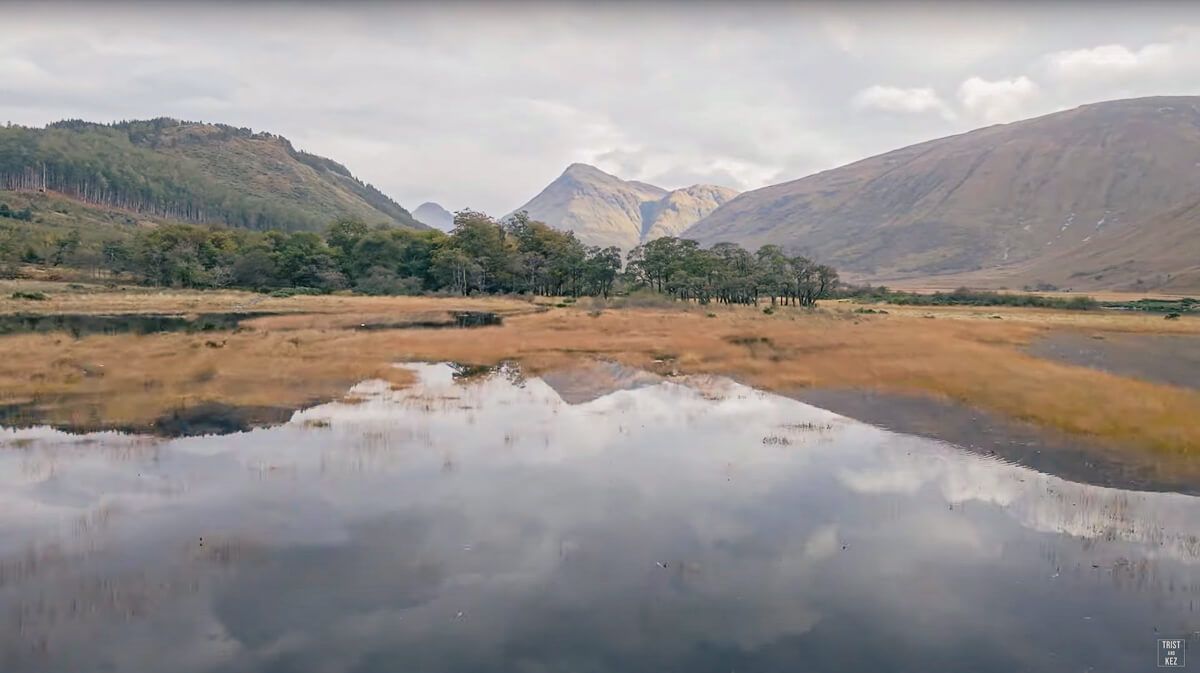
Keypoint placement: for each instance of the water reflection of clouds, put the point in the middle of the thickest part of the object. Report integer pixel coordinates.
(1164, 524)
(645, 528)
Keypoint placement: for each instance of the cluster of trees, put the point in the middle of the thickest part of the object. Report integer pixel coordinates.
(729, 274)
(480, 255)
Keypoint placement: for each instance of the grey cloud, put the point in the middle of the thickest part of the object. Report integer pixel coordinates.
(685, 176)
(481, 105)
(917, 100)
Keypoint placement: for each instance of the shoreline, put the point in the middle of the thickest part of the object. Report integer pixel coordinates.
(306, 348)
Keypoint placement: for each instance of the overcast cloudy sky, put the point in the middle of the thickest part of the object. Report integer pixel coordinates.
(482, 105)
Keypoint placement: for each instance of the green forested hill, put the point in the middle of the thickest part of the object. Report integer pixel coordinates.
(190, 172)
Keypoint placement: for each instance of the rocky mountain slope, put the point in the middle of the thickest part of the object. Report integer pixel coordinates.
(434, 215)
(605, 210)
(1104, 195)
(191, 172)
(680, 209)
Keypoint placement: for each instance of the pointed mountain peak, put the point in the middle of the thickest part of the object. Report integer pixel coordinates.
(602, 209)
(434, 215)
(717, 191)
(581, 171)
(579, 167)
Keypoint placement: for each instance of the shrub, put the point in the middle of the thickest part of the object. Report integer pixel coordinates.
(30, 296)
(383, 281)
(1081, 304)
(285, 292)
(966, 297)
(644, 298)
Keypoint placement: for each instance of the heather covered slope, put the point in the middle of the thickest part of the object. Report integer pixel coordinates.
(1162, 255)
(192, 172)
(1104, 193)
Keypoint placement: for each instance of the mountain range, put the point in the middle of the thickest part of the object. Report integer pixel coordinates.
(1101, 196)
(605, 210)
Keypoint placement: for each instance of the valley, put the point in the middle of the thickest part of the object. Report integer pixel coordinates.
(293, 351)
(825, 352)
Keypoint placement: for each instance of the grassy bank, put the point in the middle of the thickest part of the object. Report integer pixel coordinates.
(980, 298)
(312, 353)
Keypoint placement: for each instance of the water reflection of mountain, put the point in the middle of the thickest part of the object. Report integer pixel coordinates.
(644, 522)
(587, 382)
(571, 413)
(1166, 524)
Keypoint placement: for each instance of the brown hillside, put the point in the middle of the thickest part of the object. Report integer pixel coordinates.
(1104, 194)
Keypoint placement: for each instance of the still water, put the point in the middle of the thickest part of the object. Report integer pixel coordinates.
(594, 521)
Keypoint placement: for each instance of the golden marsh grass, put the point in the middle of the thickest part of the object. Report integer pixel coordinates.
(959, 353)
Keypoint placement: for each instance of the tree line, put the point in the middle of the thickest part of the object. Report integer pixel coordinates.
(480, 255)
(729, 274)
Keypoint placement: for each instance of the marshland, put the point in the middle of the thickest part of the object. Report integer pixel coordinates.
(290, 351)
(756, 337)
(253, 455)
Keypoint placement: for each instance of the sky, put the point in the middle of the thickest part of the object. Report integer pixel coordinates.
(482, 105)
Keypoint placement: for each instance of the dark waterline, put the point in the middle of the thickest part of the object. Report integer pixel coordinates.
(204, 418)
(459, 319)
(1173, 359)
(83, 324)
(1053, 452)
(487, 523)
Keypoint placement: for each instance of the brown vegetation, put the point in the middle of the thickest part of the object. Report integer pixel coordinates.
(964, 354)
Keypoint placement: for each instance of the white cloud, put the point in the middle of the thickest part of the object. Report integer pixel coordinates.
(896, 99)
(1110, 59)
(996, 101)
(1162, 62)
(1174, 60)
